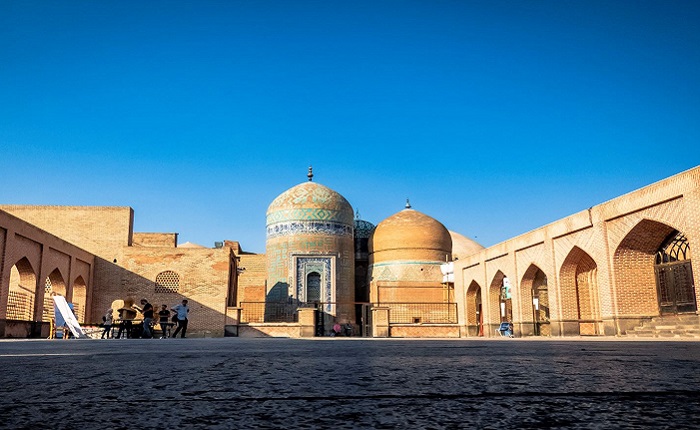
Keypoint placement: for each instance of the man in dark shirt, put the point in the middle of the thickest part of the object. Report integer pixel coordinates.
(164, 320)
(147, 311)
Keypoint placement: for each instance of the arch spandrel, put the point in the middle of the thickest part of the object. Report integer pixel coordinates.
(30, 259)
(670, 213)
(642, 234)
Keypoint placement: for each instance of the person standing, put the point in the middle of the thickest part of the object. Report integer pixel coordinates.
(107, 323)
(125, 318)
(182, 311)
(147, 312)
(164, 320)
(336, 330)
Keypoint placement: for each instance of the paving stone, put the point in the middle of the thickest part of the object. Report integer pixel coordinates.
(349, 383)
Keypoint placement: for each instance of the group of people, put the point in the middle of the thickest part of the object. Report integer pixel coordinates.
(180, 314)
(338, 330)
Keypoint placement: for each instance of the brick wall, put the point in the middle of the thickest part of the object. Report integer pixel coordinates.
(203, 279)
(100, 230)
(251, 281)
(162, 240)
(37, 255)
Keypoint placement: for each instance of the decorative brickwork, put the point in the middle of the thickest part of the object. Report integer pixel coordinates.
(21, 294)
(633, 263)
(598, 263)
(578, 284)
(167, 282)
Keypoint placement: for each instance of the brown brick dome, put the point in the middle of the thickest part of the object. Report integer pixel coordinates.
(463, 246)
(410, 235)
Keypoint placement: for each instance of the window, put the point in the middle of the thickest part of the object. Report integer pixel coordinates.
(313, 287)
(167, 282)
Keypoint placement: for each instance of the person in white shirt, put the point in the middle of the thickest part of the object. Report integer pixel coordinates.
(107, 323)
(182, 311)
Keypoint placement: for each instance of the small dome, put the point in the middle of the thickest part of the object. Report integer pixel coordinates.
(190, 245)
(363, 229)
(411, 230)
(463, 246)
(310, 201)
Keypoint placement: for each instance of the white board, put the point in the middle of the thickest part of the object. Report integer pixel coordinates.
(63, 312)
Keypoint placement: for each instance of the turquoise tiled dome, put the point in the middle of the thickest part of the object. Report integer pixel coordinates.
(310, 201)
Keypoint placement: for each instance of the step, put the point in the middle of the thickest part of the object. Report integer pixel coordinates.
(688, 319)
(648, 332)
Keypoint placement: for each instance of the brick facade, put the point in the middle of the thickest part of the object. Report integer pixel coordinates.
(598, 264)
(29, 258)
(592, 273)
(126, 265)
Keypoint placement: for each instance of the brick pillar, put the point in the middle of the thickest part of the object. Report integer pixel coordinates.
(307, 322)
(380, 322)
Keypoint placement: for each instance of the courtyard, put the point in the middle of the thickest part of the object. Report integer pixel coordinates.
(349, 383)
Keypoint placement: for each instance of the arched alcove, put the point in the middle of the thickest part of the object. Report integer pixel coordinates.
(79, 298)
(22, 292)
(474, 312)
(500, 305)
(54, 285)
(535, 300)
(579, 292)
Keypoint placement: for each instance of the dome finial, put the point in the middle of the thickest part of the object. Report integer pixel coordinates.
(408, 204)
(310, 175)
(357, 214)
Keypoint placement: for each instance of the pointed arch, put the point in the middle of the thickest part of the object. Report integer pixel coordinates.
(473, 312)
(79, 298)
(22, 292)
(535, 299)
(634, 265)
(579, 291)
(495, 314)
(472, 309)
(54, 285)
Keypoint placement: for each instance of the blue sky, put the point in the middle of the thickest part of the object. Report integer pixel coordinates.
(494, 117)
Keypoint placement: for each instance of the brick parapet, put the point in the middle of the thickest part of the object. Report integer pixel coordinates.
(155, 240)
(100, 230)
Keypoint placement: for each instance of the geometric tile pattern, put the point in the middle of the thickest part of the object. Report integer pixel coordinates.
(320, 265)
(291, 228)
(363, 229)
(304, 214)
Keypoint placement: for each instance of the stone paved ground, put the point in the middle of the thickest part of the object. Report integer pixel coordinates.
(348, 383)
